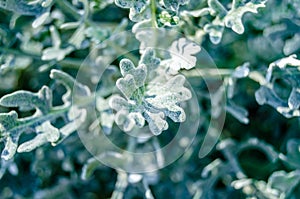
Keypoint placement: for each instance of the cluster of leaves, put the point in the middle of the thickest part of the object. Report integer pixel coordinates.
(160, 98)
(13, 127)
(257, 155)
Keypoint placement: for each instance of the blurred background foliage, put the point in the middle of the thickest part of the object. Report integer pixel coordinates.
(257, 155)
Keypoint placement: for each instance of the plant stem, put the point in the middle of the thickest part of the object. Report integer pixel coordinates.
(207, 72)
(120, 186)
(153, 13)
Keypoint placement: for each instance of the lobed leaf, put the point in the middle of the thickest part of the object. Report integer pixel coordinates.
(183, 54)
(22, 7)
(46, 133)
(285, 182)
(292, 158)
(233, 18)
(26, 101)
(136, 5)
(72, 86)
(174, 4)
(152, 103)
(12, 127)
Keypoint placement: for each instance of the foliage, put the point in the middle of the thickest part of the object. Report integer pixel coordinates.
(129, 69)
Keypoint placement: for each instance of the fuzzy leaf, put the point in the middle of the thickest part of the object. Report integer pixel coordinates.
(238, 112)
(285, 182)
(78, 37)
(292, 158)
(22, 7)
(265, 95)
(27, 101)
(152, 103)
(294, 98)
(11, 127)
(56, 53)
(40, 20)
(174, 4)
(167, 97)
(217, 8)
(215, 30)
(286, 61)
(233, 18)
(127, 85)
(7, 122)
(183, 54)
(241, 71)
(149, 59)
(156, 121)
(10, 148)
(138, 73)
(106, 114)
(75, 117)
(71, 85)
(136, 5)
(134, 78)
(46, 133)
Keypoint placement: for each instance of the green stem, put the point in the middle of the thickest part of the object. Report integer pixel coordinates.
(197, 72)
(208, 72)
(153, 13)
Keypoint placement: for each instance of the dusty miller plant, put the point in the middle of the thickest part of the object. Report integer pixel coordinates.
(45, 44)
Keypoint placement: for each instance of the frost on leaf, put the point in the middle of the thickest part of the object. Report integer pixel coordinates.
(267, 95)
(151, 101)
(182, 55)
(12, 127)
